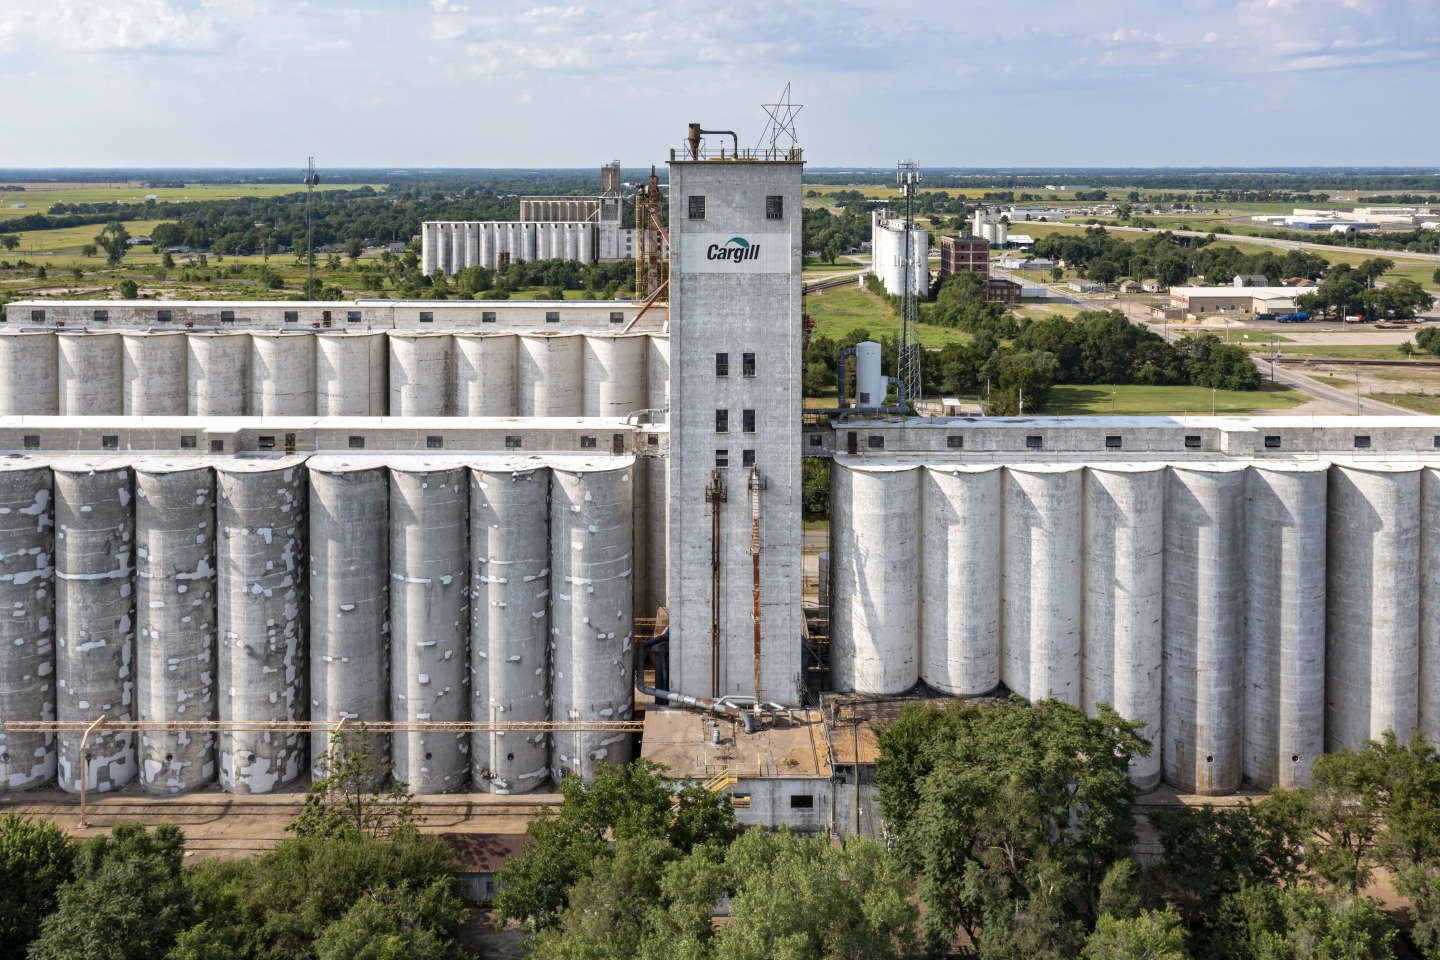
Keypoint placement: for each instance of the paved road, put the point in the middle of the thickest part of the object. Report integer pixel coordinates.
(1262, 241)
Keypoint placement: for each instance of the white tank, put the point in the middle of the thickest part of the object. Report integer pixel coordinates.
(1429, 705)
(216, 374)
(1124, 521)
(510, 624)
(875, 629)
(1372, 651)
(614, 375)
(282, 374)
(430, 621)
(351, 375)
(29, 374)
(1284, 622)
(960, 583)
(550, 375)
(175, 621)
(1040, 590)
(483, 382)
(1204, 628)
(91, 369)
(657, 373)
(94, 620)
(590, 613)
(27, 633)
(349, 598)
(153, 376)
(260, 619)
(869, 384)
(419, 374)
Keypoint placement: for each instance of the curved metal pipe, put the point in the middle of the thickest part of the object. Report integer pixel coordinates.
(734, 708)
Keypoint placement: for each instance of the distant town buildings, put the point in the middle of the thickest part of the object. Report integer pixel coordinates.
(972, 255)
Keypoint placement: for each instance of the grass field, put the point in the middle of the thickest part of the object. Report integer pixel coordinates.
(1426, 403)
(39, 201)
(67, 241)
(839, 311)
(1326, 351)
(1137, 400)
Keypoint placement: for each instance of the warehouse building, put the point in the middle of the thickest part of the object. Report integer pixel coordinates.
(1236, 299)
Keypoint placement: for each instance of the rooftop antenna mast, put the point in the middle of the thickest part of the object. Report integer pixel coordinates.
(780, 136)
(311, 179)
(907, 177)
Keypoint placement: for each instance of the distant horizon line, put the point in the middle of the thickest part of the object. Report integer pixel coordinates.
(1336, 169)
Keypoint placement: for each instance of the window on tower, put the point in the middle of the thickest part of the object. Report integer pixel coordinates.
(697, 207)
(722, 421)
(774, 208)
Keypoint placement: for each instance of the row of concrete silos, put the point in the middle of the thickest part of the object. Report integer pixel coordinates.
(1252, 616)
(402, 374)
(256, 591)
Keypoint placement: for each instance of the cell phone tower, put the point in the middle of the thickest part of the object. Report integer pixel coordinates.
(907, 177)
(311, 179)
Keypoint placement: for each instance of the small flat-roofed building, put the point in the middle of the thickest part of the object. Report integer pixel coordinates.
(998, 290)
(1232, 299)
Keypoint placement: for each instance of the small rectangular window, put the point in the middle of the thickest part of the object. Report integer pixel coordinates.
(101, 316)
(513, 442)
(722, 458)
(552, 316)
(722, 421)
(187, 441)
(747, 364)
(1113, 443)
(617, 316)
(227, 316)
(955, 443)
(802, 801)
(352, 316)
(747, 421)
(722, 364)
(1192, 441)
(816, 440)
(747, 458)
(265, 443)
(1272, 442)
(109, 441)
(292, 316)
(487, 316)
(774, 208)
(433, 442)
(875, 441)
(739, 799)
(1362, 442)
(164, 316)
(217, 446)
(652, 439)
(37, 316)
(697, 207)
(587, 443)
(32, 441)
(426, 316)
(357, 443)
(1034, 442)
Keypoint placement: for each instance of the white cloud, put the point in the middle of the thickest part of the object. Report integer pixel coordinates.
(126, 26)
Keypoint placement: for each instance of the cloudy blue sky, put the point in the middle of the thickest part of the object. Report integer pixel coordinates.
(486, 83)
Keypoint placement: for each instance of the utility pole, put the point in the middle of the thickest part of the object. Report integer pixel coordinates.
(311, 179)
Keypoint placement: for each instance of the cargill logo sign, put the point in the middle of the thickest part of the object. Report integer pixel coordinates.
(736, 250)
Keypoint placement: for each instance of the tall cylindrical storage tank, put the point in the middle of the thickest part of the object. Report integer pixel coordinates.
(483, 381)
(29, 374)
(94, 620)
(590, 610)
(1040, 588)
(1284, 622)
(1204, 613)
(959, 534)
(91, 371)
(614, 375)
(260, 619)
(351, 375)
(429, 622)
(1429, 676)
(550, 375)
(1372, 650)
(216, 374)
(153, 374)
(875, 628)
(869, 387)
(1124, 522)
(657, 373)
(419, 374)
(349, 598)
(27, 634)
(175, 621)
(510, 624)
(282, 374)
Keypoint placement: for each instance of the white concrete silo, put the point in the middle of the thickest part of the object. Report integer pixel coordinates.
(960, 579)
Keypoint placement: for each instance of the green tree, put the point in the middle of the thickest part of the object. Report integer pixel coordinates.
(129, 290)
(1297, 923)
(8, 241)
(127, 900)
(1021, 381)
(353, 248)
(1152, 935)
(358, 793)
(815, 488)
(114, 240)
(396, 923)
(35, 860)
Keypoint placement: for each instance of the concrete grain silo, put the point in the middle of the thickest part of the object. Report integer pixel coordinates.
(27, 633)
(419, 374)
(153, 380)
(351, 375)
(550, 375)
(483, 381)
(29, 373)
(90, 375)
(282, 374)
(1429, 674)
(614, 375)
(217, 369)
(959, 532)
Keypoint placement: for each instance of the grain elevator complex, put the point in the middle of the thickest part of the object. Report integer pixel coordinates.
(499, 533)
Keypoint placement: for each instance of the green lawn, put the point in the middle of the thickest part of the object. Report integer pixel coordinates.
(837, 312)
(1325, 351)
(1427, 403)
(1136, 400)
(39, 201)
(67, 241)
